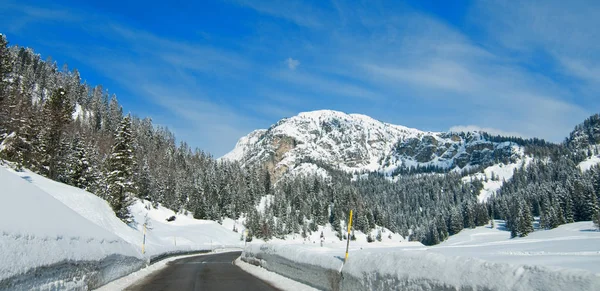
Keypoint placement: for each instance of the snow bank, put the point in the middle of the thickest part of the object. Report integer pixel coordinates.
(182, 235)
(54, 236)
(408, 269)
(569, 246)
(276, 280)
(45, 244)
(314, 269)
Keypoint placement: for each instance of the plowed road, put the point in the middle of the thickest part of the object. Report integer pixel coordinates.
(205, 272)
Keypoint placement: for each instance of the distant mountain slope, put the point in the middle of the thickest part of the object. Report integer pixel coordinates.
(585, 135)
(355, 142)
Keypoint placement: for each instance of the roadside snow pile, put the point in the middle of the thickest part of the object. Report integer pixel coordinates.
(274, 279)
(566, 258)
(182, 234)
(55, 236)
(46, 245)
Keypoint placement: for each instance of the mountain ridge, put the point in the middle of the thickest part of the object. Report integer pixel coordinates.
(360, 143)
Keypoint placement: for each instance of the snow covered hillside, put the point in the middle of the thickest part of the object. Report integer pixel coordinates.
(58, 236)
(493, 177)
(355, 142)
(589, 163)
(40, 231)
(483, 258)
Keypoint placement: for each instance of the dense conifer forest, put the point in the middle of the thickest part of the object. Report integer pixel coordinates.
(57, 125)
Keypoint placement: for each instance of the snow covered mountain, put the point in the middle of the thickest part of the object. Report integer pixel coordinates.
(355, 142)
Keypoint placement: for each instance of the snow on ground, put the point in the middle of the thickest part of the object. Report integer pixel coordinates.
(566, 257)
(500, 172)
(588, 163)
(307, 169)
(276, 280)
(38, 230)
(44, 222)
(183, 234)
(572, 246)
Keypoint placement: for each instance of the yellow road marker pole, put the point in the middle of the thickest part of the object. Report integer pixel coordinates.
(348, 241)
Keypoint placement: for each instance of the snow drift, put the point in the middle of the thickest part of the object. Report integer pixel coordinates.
(41, 233)
(55, 236)
(396, 269)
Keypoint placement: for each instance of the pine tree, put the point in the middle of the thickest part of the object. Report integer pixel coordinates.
(81, 174)
(585, 202)
(5, 69)
(57, 116)
(120, 175)
(114, 115)
(12, 149)
(596, 219)
(525, 225)
(455, 222)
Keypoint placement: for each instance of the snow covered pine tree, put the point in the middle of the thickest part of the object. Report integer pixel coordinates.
(121, 187)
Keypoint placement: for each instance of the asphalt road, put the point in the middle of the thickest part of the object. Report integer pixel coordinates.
(205, 272)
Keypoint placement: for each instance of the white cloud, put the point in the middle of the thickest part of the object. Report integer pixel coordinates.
(297, 12)
(388, 61)
(292, 64)
(327, 87)
(565, 31)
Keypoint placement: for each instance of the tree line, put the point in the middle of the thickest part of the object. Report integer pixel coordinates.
(57, 125)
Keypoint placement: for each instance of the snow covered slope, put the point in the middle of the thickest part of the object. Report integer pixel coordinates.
(569, 246)
(46, 225)
(588, 163)
(493, 177)
(355, 142)
(40, 231)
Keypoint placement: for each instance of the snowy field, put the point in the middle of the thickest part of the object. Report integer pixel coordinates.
(564, 258)
(570, 246)
(55, 236)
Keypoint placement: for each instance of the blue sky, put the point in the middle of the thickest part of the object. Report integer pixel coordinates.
(213, 71)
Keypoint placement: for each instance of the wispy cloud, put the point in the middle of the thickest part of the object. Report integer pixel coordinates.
(565, 31)
(294, 11)
(322, 85)
(510, 68)
(292, 64)
(21, 15)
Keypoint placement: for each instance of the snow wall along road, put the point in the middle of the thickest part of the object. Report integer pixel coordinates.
(395, 269)
(45, 245)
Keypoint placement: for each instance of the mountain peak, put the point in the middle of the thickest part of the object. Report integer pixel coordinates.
(357, 142)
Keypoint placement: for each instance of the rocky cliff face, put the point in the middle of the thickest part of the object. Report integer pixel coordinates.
(354, 142)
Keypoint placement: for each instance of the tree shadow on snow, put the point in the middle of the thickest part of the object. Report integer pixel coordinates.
(27, 178)
(501, 226)
(589, 230)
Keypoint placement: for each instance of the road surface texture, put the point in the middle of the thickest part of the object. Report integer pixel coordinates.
(205, 272)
